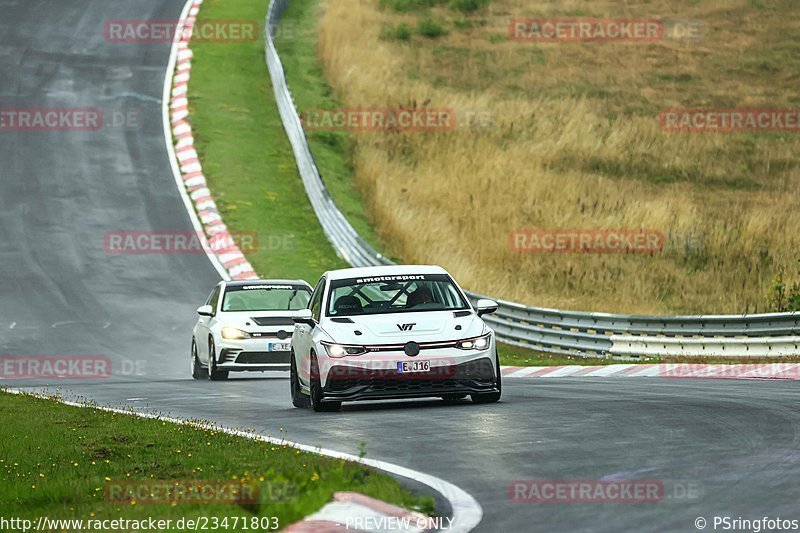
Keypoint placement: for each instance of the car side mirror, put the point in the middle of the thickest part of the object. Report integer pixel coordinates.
(304, 316)
(485, 307)
(205, 310)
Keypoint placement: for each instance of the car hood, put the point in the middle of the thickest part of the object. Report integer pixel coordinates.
(400, 328)
(255, 319)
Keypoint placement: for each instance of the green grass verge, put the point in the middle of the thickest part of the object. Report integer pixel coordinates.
(57, 460)
(246, 156)
(516, 356)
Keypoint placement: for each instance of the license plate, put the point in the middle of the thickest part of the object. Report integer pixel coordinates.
(413, 366)
(278, 347)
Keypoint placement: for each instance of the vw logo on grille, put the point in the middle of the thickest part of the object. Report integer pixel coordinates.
(411, 348)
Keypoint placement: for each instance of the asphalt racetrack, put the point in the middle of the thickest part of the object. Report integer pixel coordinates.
(717, 447)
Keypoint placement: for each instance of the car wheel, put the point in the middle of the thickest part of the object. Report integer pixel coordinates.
(316, 391)
(298, 398)
(213, 373)
(198, 372)
(491, 397)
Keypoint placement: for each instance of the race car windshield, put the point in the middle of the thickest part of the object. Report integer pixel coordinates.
(266, 298)
(394, 294)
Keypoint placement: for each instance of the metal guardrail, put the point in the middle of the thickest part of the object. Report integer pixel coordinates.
(546, 330)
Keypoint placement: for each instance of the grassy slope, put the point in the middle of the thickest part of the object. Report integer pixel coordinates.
(246, 156)
(55, 461)
(575, 142)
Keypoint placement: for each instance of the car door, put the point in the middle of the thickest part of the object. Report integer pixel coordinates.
(204, 324)
(305, 333)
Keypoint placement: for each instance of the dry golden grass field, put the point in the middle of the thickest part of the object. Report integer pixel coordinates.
(568, 136)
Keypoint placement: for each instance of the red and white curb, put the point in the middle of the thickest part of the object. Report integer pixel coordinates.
(790, 371)
(350, 511)
(193, 181)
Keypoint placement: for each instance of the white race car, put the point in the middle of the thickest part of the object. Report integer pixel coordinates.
(392, 332)
(247, 325)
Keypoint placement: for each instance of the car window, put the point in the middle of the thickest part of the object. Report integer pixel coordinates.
(214, 299)
(393, 294)
(265, 297)
(316, 299)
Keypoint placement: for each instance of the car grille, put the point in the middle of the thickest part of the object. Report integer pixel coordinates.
(256, 358)
(477, 373)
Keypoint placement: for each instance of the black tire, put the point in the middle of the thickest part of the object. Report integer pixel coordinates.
(298, 398)
(198, 372)
(213, 373)
(316, 391)
(491, 397)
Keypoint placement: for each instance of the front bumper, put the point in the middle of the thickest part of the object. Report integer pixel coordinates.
(349, 383)
(252, 355)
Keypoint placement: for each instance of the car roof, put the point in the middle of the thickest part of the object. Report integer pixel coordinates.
(267, 282)
(392, 270)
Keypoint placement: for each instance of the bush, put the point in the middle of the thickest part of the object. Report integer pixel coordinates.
(468, 6)
(401, 32)
(782, 299)
(429, 28)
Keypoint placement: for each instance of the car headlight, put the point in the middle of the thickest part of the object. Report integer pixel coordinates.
(343, 350)
(234, 334)
(477, 343)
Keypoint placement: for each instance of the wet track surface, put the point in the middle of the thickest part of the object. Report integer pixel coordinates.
(732, 444)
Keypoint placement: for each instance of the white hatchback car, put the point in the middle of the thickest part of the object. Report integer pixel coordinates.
(392, 332)
(246, 325)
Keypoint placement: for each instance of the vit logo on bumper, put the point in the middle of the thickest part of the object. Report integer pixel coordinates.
(406, 327)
